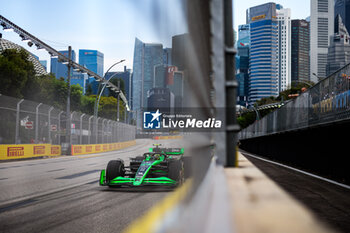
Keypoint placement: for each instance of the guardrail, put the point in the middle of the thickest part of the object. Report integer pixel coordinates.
(326, 102)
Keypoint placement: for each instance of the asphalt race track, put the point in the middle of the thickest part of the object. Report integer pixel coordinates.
(62, 194)
(329, 202)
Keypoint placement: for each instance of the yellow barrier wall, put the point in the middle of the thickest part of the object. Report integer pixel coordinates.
(167, 137)
(21, 151)
(97, 148)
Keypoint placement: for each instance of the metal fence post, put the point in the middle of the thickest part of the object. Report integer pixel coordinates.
(37, 123)
(59, 127)
(49, 125)
(17, 140)
(81, 128)
(103, 131)
(89, 129)
(97, 129)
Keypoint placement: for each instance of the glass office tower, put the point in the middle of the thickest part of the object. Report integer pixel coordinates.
(243, 45)
(59, 69)
(146, 57)
(263, 80)
(93, 60)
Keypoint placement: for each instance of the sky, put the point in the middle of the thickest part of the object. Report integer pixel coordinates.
(111, 26)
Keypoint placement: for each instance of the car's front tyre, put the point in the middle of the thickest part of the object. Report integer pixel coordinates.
(114, 169)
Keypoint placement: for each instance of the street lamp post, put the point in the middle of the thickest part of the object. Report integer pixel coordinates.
(98, 96)
(68, 118)
(256, 112)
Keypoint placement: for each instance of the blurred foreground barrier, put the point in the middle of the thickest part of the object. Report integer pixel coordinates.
(97, 148)
(240, 200)
(21, 151)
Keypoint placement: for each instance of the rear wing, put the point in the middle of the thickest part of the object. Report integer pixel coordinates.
(168, 151)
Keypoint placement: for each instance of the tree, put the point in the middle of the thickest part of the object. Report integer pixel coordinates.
(16, 72)
(115, 82)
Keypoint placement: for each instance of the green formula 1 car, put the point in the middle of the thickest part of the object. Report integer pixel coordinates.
(159, 166)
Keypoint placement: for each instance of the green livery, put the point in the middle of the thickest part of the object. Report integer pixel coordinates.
(160, 166)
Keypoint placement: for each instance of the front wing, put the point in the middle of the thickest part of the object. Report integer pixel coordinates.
(118, 181)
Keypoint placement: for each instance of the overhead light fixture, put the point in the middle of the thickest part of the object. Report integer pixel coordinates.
(30, 44)
(24, 38)
(38, 46)
(6, 28)
(53, 55)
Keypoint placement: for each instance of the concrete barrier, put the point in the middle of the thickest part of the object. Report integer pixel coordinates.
(98, 148)
(167, 137)
(21, 151)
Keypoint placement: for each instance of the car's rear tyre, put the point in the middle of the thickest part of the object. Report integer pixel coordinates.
(176, 171)
(114, 169)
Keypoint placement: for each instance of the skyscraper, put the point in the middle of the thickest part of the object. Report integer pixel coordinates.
(175, 82)
(284, 48)
(342, 8)
(339, 48)
(300, 50)
(263, 81)
(93, 60)
(59, 69)
(146, 57)
(167, 59)
(180, 44)
(321, 27)
(243, 45)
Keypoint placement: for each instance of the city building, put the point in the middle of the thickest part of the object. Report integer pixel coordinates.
(284, 47)
(126, 77)
(146, 57)
(300, 50)
(242, 64)
(339, 48)
(180, 45)
(92, 60)
(6, 44)
(263, 77)
(167, 59)
(160, 98)
(81, 79)
(321, 28)
(160, 75)
(175, 82)
(58, 69)
(342, 8)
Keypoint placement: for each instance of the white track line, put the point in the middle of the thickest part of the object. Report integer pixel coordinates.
(297, 170)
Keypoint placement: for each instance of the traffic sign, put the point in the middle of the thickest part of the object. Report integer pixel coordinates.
(29, 125)
(53, 127)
